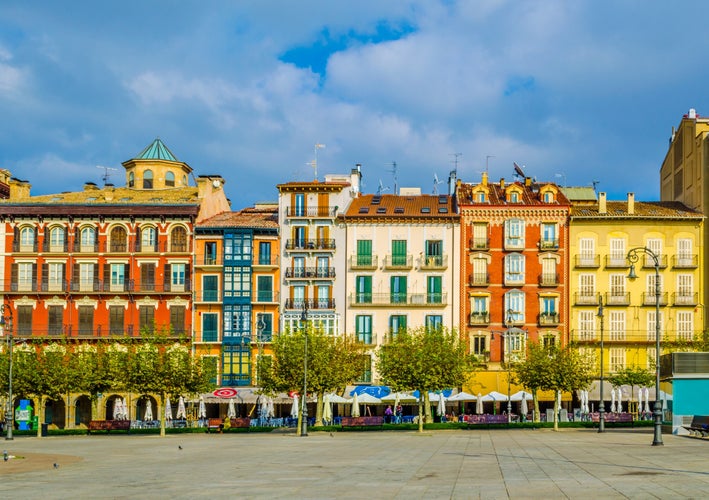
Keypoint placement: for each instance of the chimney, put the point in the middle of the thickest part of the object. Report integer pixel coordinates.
(19, 190)
(90, 186)
(602, 203)
(484, 178)
(502, 183)
(356, 178)
(631, 203)
(692, 114)
(527, 181)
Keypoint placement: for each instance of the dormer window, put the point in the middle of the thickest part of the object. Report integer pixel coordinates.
(548, 197)
(514, 194)
(480, 195)
(548, 194)
(514, 197)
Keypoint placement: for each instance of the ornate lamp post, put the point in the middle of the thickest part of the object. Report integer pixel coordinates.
(303, 404)
(506, 335)
(6, 329)
(601, 406)
(633, 256)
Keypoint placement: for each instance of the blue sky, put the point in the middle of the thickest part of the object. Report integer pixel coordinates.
(576, 91)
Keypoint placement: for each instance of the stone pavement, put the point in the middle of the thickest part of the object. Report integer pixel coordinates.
(571, 463)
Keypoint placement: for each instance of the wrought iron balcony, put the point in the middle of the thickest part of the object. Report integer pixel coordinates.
(588, 261)
(363, 262)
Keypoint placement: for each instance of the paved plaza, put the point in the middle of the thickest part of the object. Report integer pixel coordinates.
(571, 463)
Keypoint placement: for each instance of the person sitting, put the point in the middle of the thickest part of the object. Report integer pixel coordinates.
(388, 414)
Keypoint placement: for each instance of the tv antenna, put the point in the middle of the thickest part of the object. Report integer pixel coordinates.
(487, 161)
(455, 160)
(382, 188)
(106, 173)
(436, 182)
(595, 184)
(396, 178)
(314, 163)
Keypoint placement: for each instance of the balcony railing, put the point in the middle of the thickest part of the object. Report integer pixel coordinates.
(548, 279)
(616, 261)
(549, 244)
(311, 212)
(548, 319)
(649, 299)
(590, 261)
(633, 336)
(685, 261)
(433, 262)
(101, 330)
(310, 272)
(266, 260)
(398, 262)
(480, 243)
(202, 259)
(479, 279)
(648, 261)
(367, 338)
(684, 299)
(479, 318)
(312, 244)
(585, 299)
(398, 299)
(363, 262)
(266, 296)
(617, 298)
(300, 304)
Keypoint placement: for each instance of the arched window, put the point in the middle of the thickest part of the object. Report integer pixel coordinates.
(118, 239)
(148, 239)
(131, 179)
(184, 180)
(148, 179)
(514, 269)
(57, 239)
(178, 240)
(88, 239)
(27, 239)
(170, 179)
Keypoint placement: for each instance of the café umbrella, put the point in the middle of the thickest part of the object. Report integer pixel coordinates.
(294, 408)
(148, 411)
(231, 411)
(168, 409)
(202, 413)
(181, 412)
(355, 405)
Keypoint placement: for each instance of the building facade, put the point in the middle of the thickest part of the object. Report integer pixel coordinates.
(402, 266)
(106, 262)
(237, 291)
(601, 235)
(513, 269)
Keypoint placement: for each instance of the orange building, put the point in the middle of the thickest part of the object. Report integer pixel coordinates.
(514, 242)
(106, 261)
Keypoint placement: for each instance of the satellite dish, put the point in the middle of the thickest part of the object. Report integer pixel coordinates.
(216, 183)
(518, 170)
(381, 188)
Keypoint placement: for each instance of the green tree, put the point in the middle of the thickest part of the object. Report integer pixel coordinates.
(555, 369)
(332, 363)
(634, 376)
(424, 359)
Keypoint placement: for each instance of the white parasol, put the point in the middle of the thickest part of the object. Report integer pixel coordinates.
(181, 412)
(462, 396)
(231, 411)
(620, 400)
(640, 399)
(523, 410)
(441, 410)
(168, 409)
(327, 409)
(125, 410)
(294, 408)
(479, 404)
(202, 413)
(647, 400)
(612, 400)
(117, 409)
(355, 405)
(148, 411)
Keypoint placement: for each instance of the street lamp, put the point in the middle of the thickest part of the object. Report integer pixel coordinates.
(601, 406)
(303, 405)
(633, 256)
(508, 353)
(6, 328)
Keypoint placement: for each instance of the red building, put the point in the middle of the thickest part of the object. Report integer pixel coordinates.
(514, 239)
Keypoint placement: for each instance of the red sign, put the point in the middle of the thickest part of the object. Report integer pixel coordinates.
(225, 392)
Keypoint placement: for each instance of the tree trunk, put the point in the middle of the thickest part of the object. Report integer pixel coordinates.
(161, 414)
(535, 402)
(556, 412)
(319, 409)
(427, 408)
(39, 413)
(421, 415)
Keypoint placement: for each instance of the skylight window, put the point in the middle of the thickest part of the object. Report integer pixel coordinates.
(399, 210)
(442, 210)
(364, 210)
(376, 200)
(381, 210)
(425, 210)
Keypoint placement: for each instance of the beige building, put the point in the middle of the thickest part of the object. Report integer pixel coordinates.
(402, 266)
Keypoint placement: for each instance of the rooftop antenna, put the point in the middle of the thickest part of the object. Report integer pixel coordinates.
(382, 188)
(394, 171)
(455, 160)
(314, 164)
(436, 182)
(487, 160)
(595, 185)
(106, 173)
(518, 170)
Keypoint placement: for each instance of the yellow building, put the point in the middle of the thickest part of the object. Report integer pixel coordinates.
(684, 175)
(601, 236)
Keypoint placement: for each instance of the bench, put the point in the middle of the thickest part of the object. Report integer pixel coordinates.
(362, 421)
(699, 426)
(243, 423)
(485, 419)
(108, 425)
(215, 423)
(612, 417)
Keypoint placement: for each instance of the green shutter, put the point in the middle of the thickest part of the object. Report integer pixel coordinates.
(364, 252)
(398, 252)
(398, 289)
(434, 290)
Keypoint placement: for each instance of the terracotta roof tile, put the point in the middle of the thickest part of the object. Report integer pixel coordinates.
(370, 206)
(248, 217)
(643, 209)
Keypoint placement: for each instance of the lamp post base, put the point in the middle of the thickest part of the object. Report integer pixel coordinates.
(657, 436)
